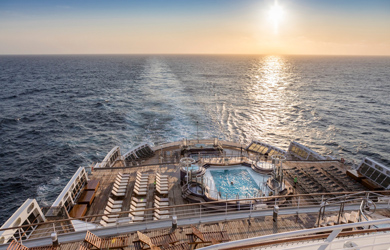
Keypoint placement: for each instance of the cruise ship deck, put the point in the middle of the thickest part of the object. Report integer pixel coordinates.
(151, 190)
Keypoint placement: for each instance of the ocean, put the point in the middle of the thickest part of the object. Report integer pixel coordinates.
(61, 112)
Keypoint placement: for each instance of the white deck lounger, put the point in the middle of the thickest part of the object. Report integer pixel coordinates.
(162, 175)
(117, 194)
(141, 186)
(140, 192)
(162, 191)
(109, 215)
(161, 204)
(113, 206)
(137, 213)
(141, 204)
(161, 199)
(115, 201)
(136, 218)
(132, 208)
(157, 216)
(109, 220)
(140, 200)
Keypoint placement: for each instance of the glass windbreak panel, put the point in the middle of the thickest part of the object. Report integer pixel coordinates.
(386, 182)
(293, 149)
(272, 152)
(265, 150)
(252, 146)
(256, 147)
(32, 218)
(380, 178)
(369, 172)
(261, 149)
(364, 168)
(304, 154)
(375, 175)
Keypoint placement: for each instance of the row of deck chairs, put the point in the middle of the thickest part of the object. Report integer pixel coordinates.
(137, 208)
(162, 184)
(120, 185)
(141, 184)
(111, 219)
(159, 212)
(14, 245)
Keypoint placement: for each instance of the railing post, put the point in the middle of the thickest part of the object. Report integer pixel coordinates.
(20, 236)
(200, 213)
(299, 200)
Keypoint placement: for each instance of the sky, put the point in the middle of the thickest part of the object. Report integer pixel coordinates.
(308, 27)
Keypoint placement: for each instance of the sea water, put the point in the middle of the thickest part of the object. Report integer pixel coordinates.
(61, 112)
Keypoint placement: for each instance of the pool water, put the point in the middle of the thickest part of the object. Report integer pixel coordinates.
(234, 183)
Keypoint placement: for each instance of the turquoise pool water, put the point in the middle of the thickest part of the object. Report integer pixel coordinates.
(233, 182)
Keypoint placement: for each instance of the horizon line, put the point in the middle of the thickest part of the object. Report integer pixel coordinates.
(192, 54)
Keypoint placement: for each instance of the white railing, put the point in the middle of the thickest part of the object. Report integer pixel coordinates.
(251, 242)
(212, 211)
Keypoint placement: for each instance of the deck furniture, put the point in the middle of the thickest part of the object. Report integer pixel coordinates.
(115, 201)
(113, 206)
(118, 194)
(86, 197)
(197, 237)
(138, 199)
(140, 192)
(78, 211)
(161, 175)
(82, 247)
(161, 199)
(138, 204)
(181, 246)
(92, 185)
(14, 245)
(155, 242)
(161, 203)
(157, 216)
(117, 242)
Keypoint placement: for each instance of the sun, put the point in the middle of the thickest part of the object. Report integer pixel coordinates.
(276, 14)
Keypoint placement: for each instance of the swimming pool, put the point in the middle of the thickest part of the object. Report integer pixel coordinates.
(235, 182)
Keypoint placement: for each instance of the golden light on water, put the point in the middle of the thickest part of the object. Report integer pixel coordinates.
(275, 15)
(267, 91)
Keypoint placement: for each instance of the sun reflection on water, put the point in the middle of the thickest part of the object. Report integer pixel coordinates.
(267, 89)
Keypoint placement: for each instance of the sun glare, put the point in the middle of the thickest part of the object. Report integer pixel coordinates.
(276, 15)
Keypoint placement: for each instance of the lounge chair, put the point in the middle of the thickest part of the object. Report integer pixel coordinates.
(110, 243)
(138, 200)
(161, 240)
(157, 216)
(197, 237)
(118, 194)
(118, 188)
(162, 175)
(123, 175)
(113, 206)
(121, 183)
(138, 204)
(161, 203)
(161, 213)
(162, 191)
(14, 245)
(133, 208)
(161, 199)
(181, 246)
(115, 202)
(140, 192)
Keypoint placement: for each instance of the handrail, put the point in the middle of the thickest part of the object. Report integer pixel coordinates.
(206, 204)
(273, 237)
